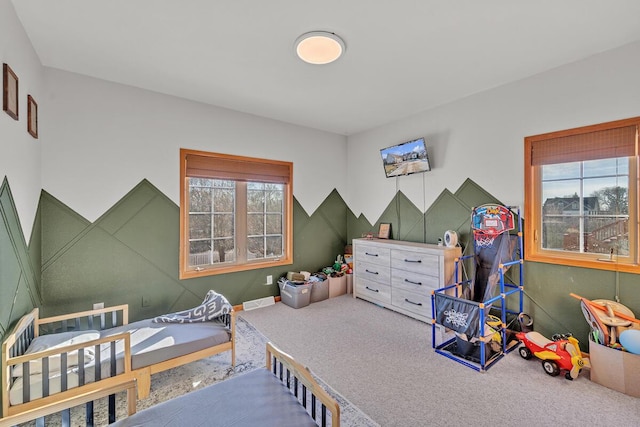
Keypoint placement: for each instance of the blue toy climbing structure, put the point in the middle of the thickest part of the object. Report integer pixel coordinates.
(480, 313)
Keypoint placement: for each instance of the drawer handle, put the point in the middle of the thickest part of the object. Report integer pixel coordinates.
(412, 282)
(372, 272)
(411, 302)
(413, 260)
(367, 253)
(373, 290)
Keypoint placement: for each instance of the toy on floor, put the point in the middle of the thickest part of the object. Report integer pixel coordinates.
(630, 340)
(607, 319)
(560, 353)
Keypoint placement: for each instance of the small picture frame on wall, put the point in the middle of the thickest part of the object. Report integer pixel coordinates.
(9, 92)
(32, 116)
(384, 232)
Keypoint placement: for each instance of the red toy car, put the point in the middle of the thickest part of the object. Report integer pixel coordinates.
(560, 353)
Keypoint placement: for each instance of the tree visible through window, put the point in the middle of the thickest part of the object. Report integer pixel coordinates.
(235, 213)
(581, 196)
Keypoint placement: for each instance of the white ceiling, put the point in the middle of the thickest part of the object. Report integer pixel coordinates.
(403, 56)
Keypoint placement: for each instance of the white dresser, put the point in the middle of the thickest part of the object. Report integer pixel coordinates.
(401, 275)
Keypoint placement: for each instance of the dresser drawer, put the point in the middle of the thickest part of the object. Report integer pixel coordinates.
(372, 253)
(415, 261)
(373, 291)
(414, 282)
(373, 272)
(418, 303)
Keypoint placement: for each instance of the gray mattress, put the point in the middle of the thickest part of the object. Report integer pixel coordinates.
(151, 343)
(257, 398)
(156, 342)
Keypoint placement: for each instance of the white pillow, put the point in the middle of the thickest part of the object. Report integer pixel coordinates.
(54, 341)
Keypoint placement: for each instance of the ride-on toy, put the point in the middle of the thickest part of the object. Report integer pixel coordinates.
(560, 353)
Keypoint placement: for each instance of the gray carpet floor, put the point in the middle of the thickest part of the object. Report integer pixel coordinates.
(383, 363)
(250, 355)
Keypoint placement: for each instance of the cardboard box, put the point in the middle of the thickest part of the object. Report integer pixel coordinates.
(615, 369)
(337, 286)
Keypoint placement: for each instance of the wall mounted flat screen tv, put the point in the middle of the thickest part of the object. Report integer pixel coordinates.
(406, 158)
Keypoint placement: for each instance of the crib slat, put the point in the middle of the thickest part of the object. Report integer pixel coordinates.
(112, 408)
(26, 385)
(40, 422)
(63, 372)
(89, 413)
(113, 358)
(90, 321)
(66, 418)
(78, 328)
(304, 396)
(20, 345)
(98, 363)
(45, 376)
(102, 322)
(313, 406)
(324, 416)
(81, 378)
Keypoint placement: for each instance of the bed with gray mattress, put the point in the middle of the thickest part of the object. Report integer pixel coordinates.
(40, 370)
(284, 394)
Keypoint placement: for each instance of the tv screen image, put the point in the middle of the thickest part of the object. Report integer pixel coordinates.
(406, 158)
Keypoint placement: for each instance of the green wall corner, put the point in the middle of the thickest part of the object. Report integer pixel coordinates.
(18, 276)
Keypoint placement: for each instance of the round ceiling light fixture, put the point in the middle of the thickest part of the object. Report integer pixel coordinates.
(319, 47)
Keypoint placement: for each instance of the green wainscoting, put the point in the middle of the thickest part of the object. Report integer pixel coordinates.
(448, 212)
(19, 276)
(130, 255)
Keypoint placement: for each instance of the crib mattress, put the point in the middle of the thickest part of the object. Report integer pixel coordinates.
(151, 343)
(256, 398)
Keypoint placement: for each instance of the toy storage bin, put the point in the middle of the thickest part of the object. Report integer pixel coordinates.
(319, 290)
(337, 286)
(616, 369)
(294, 295)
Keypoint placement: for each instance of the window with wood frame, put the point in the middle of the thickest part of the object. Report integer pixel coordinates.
(581, 197)
(236, 213)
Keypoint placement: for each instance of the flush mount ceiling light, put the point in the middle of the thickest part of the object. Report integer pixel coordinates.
(319, 47)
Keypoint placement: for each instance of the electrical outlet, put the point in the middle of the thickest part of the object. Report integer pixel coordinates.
(98, 305)
(146, 302)
(269, 279)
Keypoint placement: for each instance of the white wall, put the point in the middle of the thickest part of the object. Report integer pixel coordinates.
(19, 151)
(482, 136)
(106, 137)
